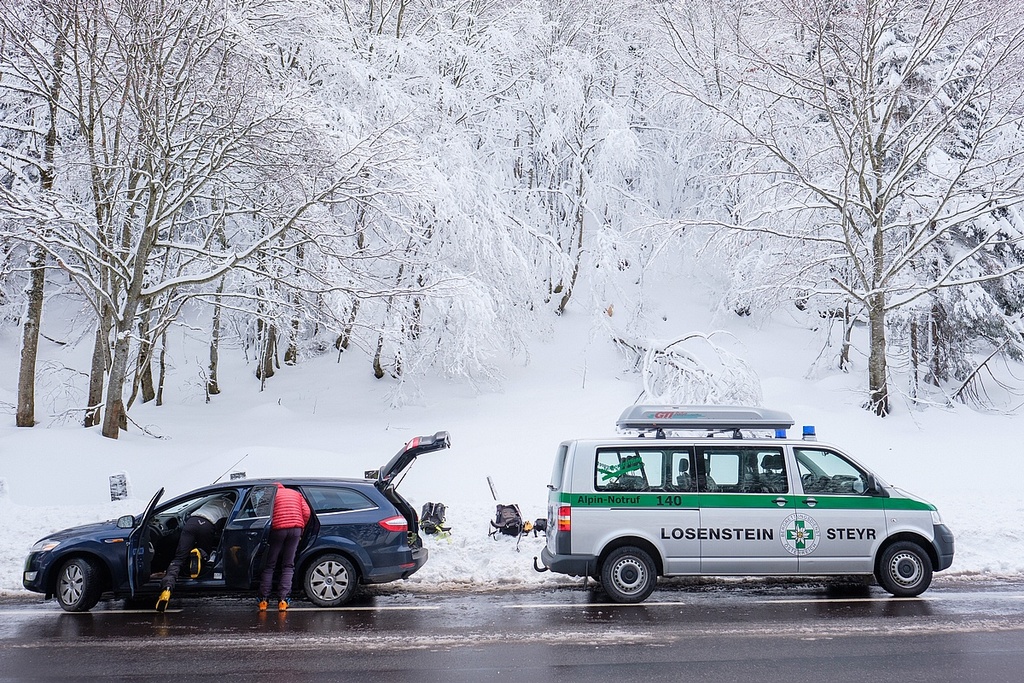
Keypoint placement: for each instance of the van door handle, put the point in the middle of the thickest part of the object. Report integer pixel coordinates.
(810, 502)
(780, 501)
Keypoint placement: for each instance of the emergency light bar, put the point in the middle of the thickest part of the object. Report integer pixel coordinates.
(641, 417)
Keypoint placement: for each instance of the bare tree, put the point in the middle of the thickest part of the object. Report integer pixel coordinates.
(35, 77)
(169, 113)
(882, 131)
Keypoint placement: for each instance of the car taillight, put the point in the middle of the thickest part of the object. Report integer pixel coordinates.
(564, 518)
(396, 523)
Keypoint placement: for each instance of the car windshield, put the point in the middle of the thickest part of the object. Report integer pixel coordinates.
(183, 505)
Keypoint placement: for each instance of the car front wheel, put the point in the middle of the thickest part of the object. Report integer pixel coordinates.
(628, 575)
(78, 585)
(330, 581)
(905, 570)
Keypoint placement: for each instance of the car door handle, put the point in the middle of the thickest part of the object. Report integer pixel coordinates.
(780, 501)
(810, 502)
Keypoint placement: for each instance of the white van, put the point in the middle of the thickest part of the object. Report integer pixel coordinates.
(722, 491)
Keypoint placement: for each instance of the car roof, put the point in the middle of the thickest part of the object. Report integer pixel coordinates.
(298, 481)
(268, 481)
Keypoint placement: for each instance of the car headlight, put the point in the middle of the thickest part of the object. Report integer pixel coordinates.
(44, 546)
(936, 518)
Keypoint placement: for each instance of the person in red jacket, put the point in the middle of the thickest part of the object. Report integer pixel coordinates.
(291, 513)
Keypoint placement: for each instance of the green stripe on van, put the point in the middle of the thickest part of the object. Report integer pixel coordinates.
(735, 500)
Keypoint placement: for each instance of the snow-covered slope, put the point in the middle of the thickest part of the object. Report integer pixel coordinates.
(332, 418)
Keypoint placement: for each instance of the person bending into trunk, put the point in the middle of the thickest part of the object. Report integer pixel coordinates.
(199, 533)
(291, 513)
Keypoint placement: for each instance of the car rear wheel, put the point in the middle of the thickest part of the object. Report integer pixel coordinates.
(628, 575)
(78, 586)
(330, 581)
(905, 570)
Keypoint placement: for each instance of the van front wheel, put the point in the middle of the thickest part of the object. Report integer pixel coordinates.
(905, 570)
(628, 575)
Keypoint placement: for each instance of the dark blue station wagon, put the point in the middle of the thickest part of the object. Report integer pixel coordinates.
(361, 532)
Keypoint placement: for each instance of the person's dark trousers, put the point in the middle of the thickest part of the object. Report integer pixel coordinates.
(198, 532)
(283, 544)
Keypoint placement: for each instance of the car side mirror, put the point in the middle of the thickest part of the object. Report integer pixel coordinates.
(125, 522)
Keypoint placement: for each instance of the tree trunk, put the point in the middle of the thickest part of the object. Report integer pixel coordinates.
(915, 359)
(98, 370)
(378, 368)
(939, 363)
(268, 349)
(163, 369)
(341, 343)
(291, 354)
(143, 367)
(877, 383)
(26, 411)
(30, 339)
(878, 386)
(578, 223)
(212, 383)
(146, 363)
(844, 354)
(114, 416)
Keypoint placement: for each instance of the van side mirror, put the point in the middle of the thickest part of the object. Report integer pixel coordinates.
(125, 522)
(873, 488)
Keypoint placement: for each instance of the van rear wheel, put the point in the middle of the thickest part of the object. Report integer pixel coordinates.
(628, 575)
(905, 570)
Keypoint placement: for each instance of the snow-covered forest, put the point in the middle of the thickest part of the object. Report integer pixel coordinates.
(422, 185)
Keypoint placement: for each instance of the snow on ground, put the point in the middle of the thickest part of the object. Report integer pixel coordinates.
(333, 419)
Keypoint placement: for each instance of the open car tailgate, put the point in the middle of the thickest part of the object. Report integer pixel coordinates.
(384, 476)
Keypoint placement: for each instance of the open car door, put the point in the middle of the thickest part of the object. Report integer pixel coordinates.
(246, 537)
(138, 541)
(391, 473)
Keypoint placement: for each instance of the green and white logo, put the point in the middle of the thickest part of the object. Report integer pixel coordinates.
(799, 534)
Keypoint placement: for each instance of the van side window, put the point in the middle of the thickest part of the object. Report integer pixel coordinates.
(631, 469)
(747, 469)
(823, 471)
(557, 472)
(681, 474)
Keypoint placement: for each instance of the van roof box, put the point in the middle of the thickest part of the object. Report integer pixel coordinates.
(712, 418)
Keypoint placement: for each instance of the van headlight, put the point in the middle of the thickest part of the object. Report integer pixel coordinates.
(936, 517)
(44, 546)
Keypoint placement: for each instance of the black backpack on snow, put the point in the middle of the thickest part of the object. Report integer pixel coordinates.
(507, 520)
(432, 518)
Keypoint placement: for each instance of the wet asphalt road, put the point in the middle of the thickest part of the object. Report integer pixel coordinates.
(687, 631)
